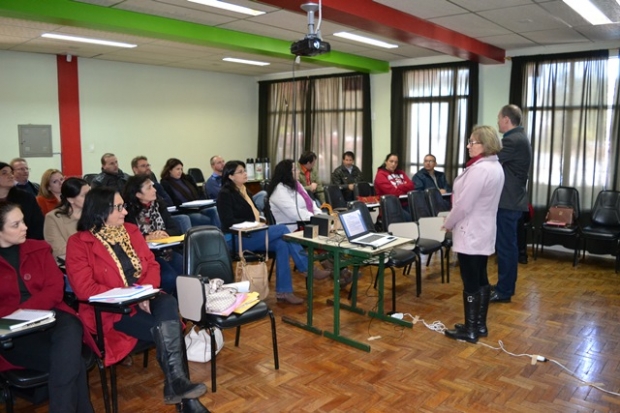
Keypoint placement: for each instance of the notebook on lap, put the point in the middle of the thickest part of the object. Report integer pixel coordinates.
(357, 233)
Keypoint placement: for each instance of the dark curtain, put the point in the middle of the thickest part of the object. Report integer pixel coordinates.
(570, 112)
(433, 110)
(325, 114)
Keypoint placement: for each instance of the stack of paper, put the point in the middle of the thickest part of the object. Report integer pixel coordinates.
(250, 301)
(247, 225)
(170, 241)
(25, 318)
(120, 294)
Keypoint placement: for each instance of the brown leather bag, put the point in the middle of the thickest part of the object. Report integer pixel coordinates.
(560, 215)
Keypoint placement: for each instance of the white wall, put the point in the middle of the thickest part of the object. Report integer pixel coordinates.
(132, 109)
(494, 91)
(28, 95)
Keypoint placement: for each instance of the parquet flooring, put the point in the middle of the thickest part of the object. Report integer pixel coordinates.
(568, 314)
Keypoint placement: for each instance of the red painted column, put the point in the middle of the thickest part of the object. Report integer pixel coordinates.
(69, 115)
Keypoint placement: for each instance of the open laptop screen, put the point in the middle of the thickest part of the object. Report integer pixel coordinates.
(353, 223)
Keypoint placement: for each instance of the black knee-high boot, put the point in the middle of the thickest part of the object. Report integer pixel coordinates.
(170, 356)
(471, 303)
(191, 406)
(485, 293)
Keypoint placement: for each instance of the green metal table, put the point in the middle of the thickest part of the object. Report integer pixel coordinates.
(344, 254)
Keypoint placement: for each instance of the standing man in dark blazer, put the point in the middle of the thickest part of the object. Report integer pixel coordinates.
(516, 158)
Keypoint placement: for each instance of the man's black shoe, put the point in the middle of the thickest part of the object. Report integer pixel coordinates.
(494, 298)
(523, 259)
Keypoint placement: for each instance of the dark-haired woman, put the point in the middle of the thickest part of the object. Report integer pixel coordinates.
(182, 188)
(61, 223)
(106, 253)
(30, 279)
(390, 180)
(150, 215)
(235, 205)
(33, 218)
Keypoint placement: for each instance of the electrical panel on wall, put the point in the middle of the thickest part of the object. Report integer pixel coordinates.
(35, 141)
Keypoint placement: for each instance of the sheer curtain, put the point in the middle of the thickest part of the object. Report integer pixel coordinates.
(327, 115)
(570, 112)
(433, 111)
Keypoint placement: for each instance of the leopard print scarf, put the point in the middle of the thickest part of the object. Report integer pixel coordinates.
(109, 236)
(149, 219)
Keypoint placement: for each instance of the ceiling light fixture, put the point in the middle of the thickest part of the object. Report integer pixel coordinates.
(588, 11)
(245, 62)
(229, 7)
(87, 40)
(364, 39)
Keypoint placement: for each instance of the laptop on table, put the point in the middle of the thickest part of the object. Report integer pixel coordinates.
(357, 233)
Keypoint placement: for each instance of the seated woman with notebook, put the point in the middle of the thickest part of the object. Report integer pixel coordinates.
(234, 206)
(108, 253)
(155, 222)
(31, 280)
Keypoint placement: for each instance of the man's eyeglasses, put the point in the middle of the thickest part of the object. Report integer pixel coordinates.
(22, 169)
(472, 143)
(118, 207)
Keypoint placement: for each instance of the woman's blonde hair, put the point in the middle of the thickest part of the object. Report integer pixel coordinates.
(487, 136)
(45, 182)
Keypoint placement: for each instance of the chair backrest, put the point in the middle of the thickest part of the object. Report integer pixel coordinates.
(271, 220)
(430, 228)
(405, 230)
(606, 210)
(196, 175)
(89, 178)
(391, 210)
(191, 297)
(436, 202)
(418, 205)
(205, 253)
(360, 206)
(363, 189)
(334, 197)
(566, 196)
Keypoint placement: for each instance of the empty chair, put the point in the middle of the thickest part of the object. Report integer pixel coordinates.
(196, 175)
(602, 236)
(89, 178)
(334, 197)
(418, 205)
(567, 236)
(392, 213)
(438, 205)
(206, 255)
(363, 189)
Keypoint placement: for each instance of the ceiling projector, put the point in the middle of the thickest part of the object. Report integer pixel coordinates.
(311, 44)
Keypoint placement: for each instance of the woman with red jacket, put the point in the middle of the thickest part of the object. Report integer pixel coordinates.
(393, 181)
(31, 279)
(106, 253)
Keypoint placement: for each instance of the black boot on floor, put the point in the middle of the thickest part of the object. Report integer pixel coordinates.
(471, 303)
(171, 358)
(481, 327)
(192, 406)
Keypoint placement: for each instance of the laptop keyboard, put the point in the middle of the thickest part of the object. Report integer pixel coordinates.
(370, 238)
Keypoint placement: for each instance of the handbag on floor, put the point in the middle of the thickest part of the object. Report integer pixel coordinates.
(256, 273)
(198, 344)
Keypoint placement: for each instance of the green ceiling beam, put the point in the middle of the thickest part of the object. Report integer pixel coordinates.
(70, 13)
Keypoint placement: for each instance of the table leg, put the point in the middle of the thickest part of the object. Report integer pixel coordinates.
(380, 313)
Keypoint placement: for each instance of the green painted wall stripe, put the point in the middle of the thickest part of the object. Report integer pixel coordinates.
(70, 13)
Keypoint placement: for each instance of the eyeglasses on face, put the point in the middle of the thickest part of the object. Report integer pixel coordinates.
(239, 172)
(118, 207)
(472, 143)
(22, 169)
(6, 173)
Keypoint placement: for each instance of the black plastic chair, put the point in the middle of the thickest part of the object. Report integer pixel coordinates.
(392, 213)
(335, 198)
(436, 203)
(363, 189)
(398, 257)
(89, 178)
(196, 175)
(602, 236)
(568, 236)
(206, 255)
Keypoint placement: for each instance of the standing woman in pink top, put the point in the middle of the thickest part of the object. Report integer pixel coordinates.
(472, 220)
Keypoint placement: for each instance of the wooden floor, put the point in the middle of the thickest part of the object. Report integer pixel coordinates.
(568, 314)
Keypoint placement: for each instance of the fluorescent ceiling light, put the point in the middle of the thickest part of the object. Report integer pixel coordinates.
(364, 39)
(246, 62)
(228, 6)
(87, 40)
(589, 11)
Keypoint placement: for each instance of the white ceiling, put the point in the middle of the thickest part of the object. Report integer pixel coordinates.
(513, 25)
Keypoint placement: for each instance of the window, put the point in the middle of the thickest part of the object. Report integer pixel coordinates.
(433, 108)
(570, 112)
(327, 115)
